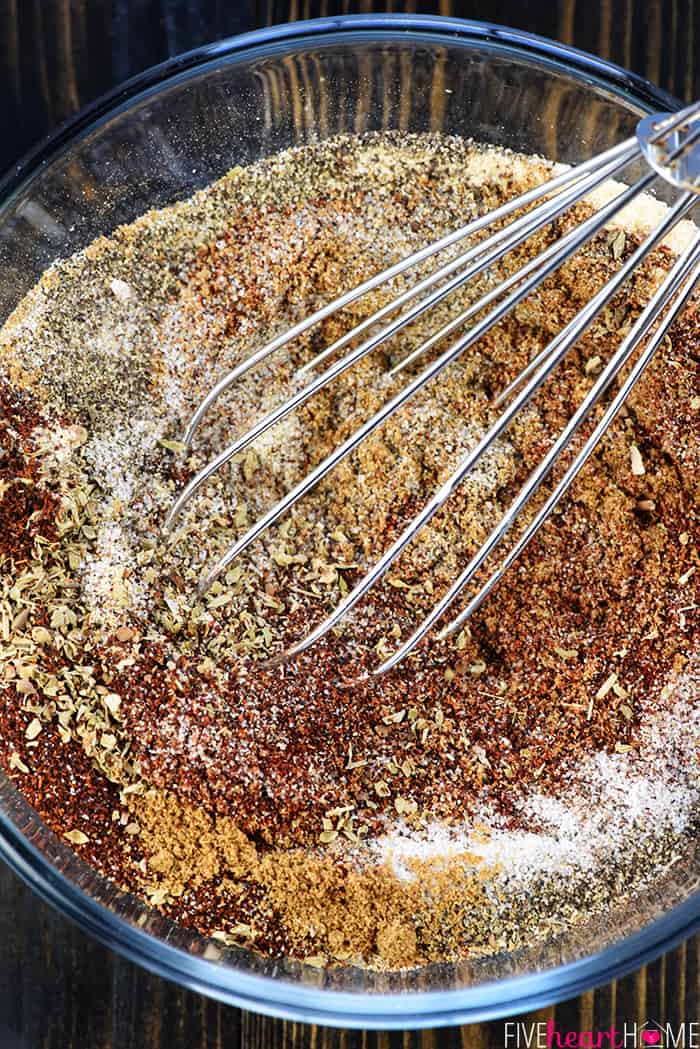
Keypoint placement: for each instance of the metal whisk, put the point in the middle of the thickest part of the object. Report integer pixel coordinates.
(670, 143)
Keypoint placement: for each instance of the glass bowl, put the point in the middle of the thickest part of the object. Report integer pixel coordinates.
(156, 140)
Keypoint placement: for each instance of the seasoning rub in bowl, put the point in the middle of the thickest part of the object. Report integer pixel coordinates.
(494, 789)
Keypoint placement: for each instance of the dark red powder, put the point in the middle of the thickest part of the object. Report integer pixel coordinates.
(27, 506)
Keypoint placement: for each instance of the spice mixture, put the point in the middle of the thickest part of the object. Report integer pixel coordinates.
(497, 786)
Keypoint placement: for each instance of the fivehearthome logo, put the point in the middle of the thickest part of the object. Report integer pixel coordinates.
(647, 1035)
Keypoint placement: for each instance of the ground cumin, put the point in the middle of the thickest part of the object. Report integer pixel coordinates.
(324, 907)
(187, 846)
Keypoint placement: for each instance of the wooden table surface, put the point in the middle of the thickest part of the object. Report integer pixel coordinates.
(58, 988)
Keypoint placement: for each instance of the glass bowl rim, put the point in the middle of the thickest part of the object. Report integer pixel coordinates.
(264, 994)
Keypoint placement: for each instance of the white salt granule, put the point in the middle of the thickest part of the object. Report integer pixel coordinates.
(107, 587)
(613, 802)
(116, 458)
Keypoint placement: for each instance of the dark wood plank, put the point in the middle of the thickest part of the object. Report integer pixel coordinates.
(59, 54)
(58, 988)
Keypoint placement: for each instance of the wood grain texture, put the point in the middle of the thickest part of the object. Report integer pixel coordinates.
(60, 54)
(61, 990)
(58, 988)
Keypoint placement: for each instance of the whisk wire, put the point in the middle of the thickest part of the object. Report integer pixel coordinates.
(543, 469)
(555, 257)
(684, 276)
(627, 149)
(549, 358)
(498, 245)
(668, 144)
(685, 146)
(582, 187)
(671, 122)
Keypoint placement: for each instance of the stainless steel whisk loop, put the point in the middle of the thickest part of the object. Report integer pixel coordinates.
(670, 143)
